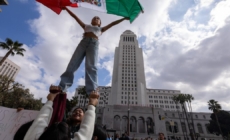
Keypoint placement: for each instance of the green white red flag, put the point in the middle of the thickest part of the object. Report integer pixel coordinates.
(124, 8)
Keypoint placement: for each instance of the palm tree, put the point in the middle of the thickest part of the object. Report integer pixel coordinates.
(12, 47)
(215, 107)
(174, 98)
(188, 99)
(182, 99)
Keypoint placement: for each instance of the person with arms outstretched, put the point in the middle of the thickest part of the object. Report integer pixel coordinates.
(88, 48)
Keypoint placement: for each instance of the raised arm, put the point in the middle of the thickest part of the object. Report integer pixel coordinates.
(75, 17)
(103, 29)
(87, 125)
(42, 120)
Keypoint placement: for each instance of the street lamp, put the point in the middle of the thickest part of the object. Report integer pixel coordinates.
(128, 116)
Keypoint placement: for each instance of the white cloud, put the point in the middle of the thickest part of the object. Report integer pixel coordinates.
(206, 3)
(220, 13)
(81, 81)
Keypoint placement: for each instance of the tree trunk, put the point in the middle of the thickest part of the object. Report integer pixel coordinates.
(192, 136)
(191, 114)
(180, 121)
(4, 58)
(219, 126)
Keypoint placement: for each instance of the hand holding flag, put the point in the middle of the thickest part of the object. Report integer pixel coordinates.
(124, 8)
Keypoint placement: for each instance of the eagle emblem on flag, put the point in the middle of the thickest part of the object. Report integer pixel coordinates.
(94, 2)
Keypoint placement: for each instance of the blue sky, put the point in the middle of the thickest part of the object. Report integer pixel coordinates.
(16, 20)
(184, 46)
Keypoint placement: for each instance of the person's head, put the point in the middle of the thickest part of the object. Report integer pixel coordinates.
(161, 136)
(21, 132)
(77, 115)
(99, 132)
(95, 138)
(96, 21)
(117, 135)
(57, 131)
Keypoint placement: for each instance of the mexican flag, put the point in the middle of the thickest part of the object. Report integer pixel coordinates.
(124, 8)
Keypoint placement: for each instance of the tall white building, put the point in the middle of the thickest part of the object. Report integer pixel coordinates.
(128, 72)
(9, 68)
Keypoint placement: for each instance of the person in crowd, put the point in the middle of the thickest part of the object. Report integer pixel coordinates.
(148, 138)
(21, 132)
(60, 130)
(161, 136)
(99, 132)
(108, 137)
(75, 120)
(117, 136)
(95, 138)
(126, 137)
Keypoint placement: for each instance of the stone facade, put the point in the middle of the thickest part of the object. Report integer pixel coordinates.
(149, 121)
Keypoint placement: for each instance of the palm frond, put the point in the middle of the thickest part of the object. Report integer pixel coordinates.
(17, 44)
(20, 53)
(21, 50)
(4, 46)
(12, 53)
(9, 42)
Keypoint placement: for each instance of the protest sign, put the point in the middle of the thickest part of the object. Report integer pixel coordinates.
(11, 120)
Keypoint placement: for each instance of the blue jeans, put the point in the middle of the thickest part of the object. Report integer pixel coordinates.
(88, 48)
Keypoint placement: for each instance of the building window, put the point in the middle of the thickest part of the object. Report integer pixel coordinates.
(167, 125)
(200, 130)
(176, 126)
(196, 116)
(206, 126)
(183, 127)
(204, 117)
